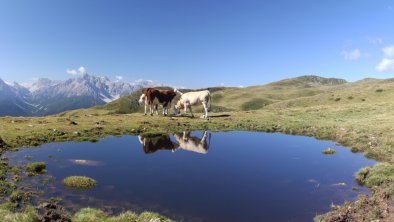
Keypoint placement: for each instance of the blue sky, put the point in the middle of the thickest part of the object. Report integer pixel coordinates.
(197, 43)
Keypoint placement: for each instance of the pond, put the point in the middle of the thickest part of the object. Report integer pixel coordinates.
(202, 176)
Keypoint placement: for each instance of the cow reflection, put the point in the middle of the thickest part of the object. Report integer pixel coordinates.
(152, 144)
(193, 143)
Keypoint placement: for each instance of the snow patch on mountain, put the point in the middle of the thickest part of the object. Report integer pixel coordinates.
(47, 96)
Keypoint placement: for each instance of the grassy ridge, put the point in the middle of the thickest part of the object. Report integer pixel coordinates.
(244, 99)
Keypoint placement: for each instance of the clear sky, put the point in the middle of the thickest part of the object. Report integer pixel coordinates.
(196, 43)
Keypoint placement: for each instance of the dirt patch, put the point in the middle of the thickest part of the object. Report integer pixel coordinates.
(364, 208)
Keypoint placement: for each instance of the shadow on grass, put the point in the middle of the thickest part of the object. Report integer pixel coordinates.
(219, 116)
(195, 116)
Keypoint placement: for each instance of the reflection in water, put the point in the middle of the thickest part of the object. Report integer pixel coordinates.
(86, 162)
(183, 141)
(152, 144)
(240, 180)
(193, 143)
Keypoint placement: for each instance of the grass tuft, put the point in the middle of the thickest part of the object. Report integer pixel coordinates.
(89, 215)
(36, 168)
(93, 215)
(329, 151)
(124, 217)
(27, 215)
(79, 182)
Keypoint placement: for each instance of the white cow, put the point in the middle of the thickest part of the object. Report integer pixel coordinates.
(193, 143)
(189, 99)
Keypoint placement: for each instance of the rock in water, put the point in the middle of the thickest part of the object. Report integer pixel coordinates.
(51, 212)
(2, 143)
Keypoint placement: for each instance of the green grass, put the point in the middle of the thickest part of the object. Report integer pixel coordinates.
(36, 168)
(17, 196)
(79, 182)
(27, 215)
(254, 104)
(242, 99)
(381, 174)
(94, 215)
(300, 106)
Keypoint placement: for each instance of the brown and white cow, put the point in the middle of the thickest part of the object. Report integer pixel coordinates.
(153, 97)
(152, 144)
(189, 99)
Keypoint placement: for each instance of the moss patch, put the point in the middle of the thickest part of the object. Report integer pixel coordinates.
(36, 168)
(18, 196)
(79, 182)
(329, 151)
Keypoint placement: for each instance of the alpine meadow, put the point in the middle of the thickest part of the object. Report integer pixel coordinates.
(159, 111)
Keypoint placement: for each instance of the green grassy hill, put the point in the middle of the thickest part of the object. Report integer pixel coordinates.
(243, 99)
(366, 91)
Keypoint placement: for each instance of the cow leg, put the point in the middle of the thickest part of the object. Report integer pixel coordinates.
(145, 108)
(140, 139)
(204, 137)
(151, 109)
(156, 108)
(168, 105)
(164, 110)
(205, 110)
(190, 107)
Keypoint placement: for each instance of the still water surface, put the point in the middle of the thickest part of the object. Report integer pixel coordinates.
(200, 176)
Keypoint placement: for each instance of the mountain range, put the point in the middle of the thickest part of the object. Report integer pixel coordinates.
(46, 97)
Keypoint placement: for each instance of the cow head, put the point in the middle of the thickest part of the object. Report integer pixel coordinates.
(177, 107)
(141, 100)
(178, 92)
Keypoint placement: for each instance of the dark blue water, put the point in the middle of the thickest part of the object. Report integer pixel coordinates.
(226, 176)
